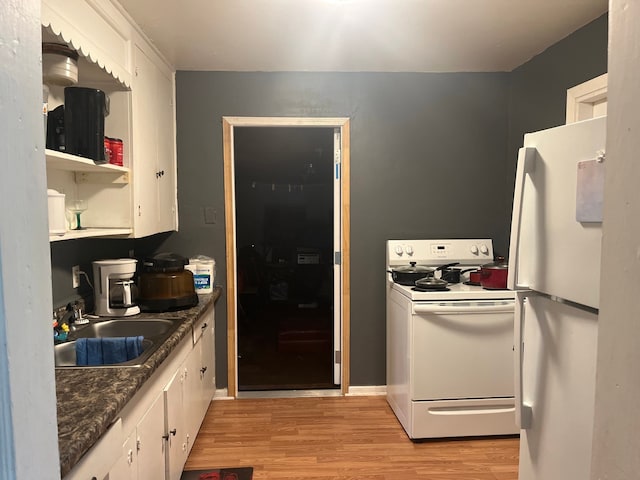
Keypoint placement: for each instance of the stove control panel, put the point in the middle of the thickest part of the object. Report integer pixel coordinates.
(438, 252)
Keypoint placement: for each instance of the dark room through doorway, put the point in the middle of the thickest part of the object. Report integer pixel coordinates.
(285, 180)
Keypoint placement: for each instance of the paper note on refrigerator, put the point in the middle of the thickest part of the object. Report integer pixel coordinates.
(590, 191)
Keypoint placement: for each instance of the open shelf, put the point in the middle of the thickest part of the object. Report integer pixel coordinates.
(91, 232)
(73, 163)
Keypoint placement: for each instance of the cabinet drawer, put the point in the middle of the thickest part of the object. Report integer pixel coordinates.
(462, 418)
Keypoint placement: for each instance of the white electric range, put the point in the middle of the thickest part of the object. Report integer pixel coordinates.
(450, 352)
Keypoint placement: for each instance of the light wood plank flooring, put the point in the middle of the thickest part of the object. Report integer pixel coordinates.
(339, 438)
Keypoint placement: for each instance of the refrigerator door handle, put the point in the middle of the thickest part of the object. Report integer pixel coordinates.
(523, 412)
(526, 164)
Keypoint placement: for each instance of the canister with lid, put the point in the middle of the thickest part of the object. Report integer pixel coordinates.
(57, 219)
(204, 273)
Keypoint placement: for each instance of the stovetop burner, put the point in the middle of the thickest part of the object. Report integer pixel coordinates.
(418, 289)
(457, 291)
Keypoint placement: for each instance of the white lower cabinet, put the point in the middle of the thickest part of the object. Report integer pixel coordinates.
(157, 428)
(175, 397)
(98, 462)
(150, 444)
(187, 397)
(127, 466)
(143, 452)
(201, 376)
(192, 405)
(208, 369)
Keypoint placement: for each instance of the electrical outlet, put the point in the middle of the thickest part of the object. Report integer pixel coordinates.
(75, 276)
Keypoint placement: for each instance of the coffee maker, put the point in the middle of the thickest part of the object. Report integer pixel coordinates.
(114, 287)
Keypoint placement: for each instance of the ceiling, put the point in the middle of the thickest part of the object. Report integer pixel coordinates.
(358, 35)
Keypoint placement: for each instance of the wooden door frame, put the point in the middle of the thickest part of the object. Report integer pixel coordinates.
(228, 124)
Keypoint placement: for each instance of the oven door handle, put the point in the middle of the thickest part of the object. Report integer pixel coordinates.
(463, 309)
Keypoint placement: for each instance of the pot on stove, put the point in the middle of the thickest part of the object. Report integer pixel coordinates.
(453, 275)
(431, 283)
(475, 276)
(493, 276)
(408, 274)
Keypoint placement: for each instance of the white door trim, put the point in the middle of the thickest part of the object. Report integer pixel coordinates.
(587, 100)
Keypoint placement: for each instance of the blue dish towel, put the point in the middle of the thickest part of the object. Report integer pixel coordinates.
(106, 351)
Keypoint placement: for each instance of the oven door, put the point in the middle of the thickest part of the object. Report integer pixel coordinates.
(462, 349)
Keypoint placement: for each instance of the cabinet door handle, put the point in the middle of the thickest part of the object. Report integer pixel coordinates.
(203, 369)
(204, 325)
(172, 432)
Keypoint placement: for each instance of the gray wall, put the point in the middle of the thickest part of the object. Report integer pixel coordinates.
(427, 160)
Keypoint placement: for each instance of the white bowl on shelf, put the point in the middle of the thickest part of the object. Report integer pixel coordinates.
(59, 65)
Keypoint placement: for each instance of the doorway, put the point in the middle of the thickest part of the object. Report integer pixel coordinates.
(286, 196)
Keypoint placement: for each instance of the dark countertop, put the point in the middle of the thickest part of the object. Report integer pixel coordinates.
(89, 400)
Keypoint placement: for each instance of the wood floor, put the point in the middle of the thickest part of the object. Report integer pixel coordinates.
(339, 438)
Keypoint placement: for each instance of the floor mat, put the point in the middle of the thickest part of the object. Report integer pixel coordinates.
(243, 473)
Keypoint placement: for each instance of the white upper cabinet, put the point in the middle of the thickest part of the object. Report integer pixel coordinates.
(138, 198)
(96, 29)
(154, 145)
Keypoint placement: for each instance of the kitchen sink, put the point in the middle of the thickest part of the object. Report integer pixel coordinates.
(147, 327)
(154, 330)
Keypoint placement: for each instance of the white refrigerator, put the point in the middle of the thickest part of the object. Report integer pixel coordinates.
(554, 267)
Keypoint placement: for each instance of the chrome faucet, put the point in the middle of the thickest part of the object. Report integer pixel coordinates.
(73, 316)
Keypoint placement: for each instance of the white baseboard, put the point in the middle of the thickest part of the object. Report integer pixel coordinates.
(222, 393)
(367, 390)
